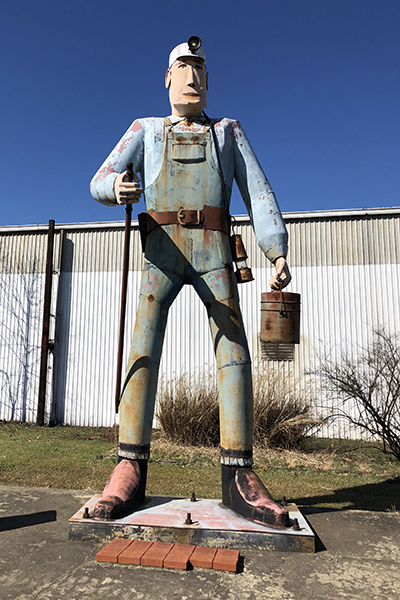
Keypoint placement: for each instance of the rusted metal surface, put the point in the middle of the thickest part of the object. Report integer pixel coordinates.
(143, 144)
(89, 302)
(178, 254)
(239, 255)
(187, 168)
(237, 247)
(210, 217)
(280, 317)
(244, 493)
(163, 519)
(46, 327)
(243, 274)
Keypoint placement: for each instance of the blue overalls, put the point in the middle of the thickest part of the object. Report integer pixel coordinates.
(178, 254)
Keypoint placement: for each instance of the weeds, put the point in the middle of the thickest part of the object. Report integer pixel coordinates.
(282, 410)
(188, 410)
(320, 472)
(368, 386)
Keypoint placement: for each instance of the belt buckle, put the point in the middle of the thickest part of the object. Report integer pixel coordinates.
(193, 214)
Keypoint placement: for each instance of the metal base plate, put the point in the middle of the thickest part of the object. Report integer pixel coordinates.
(162, 518)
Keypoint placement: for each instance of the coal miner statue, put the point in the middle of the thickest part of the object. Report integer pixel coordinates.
(187, 164)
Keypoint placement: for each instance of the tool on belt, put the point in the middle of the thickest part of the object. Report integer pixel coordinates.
(239, 255)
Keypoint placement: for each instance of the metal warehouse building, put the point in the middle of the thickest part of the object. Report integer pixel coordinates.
(345, 265)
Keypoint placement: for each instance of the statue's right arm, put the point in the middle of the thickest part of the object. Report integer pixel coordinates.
(129, 149)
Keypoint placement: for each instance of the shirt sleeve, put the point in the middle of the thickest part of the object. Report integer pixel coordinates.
(129, 149)
(259, 198)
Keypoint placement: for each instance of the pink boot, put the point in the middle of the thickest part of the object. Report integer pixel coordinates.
(245, 493)
(124, 491)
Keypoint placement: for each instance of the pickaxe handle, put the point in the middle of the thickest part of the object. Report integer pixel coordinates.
(125, 271)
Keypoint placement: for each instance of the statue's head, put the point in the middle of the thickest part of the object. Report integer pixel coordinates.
(186, 79)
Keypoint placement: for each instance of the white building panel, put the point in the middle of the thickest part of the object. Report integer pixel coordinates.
(345, 265)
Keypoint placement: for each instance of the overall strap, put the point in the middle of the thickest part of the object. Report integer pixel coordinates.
(218, 153)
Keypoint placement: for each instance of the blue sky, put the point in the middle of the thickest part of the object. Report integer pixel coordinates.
(315, 84)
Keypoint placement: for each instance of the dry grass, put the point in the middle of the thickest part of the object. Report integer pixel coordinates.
(321, 461)
(321, 472)
(188, 410)
(282, 410)
(162, 448)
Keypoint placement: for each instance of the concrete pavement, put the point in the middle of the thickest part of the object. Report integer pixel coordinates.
(358, 556)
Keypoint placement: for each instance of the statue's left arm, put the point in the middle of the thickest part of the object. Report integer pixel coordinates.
(262, 206)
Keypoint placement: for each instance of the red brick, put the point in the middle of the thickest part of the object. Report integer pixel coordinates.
(111, 552)
(179, 556)
(133, 553)
(203, 557)
(155, 555)
(226, 560)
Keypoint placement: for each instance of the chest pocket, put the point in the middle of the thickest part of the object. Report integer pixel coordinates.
(190, 149)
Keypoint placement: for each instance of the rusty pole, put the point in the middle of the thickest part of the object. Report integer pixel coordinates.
(125, 270)
(46, 326)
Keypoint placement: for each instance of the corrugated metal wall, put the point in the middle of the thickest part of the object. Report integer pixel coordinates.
(22, 266)
(346, 266)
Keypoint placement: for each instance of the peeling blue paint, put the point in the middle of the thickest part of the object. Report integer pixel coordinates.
(178, 165)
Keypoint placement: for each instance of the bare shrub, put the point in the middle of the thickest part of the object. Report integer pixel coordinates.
(282, 409)
(368, 386)
(188, 410)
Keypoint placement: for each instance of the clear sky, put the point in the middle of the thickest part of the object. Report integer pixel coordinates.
(315, 84)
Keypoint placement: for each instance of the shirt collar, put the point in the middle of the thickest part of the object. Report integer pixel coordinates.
(175, 119)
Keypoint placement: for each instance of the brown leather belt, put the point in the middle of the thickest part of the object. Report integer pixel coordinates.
(210, 217)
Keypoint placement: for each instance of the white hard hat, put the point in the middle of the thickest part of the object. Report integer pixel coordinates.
(184, 50)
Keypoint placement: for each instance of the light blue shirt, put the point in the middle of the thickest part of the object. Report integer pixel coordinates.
(143, 145)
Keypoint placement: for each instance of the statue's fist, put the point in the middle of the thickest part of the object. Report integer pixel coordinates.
(282, 276)
(127, 192)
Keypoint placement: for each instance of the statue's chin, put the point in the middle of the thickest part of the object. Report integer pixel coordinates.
(189, 109)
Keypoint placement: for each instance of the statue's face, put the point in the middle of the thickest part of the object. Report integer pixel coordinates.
(187, 82)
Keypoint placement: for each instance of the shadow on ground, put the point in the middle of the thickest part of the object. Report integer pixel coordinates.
(19, 521)
(383, 497)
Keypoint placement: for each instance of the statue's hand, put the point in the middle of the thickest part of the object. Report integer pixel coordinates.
(127, 192)
(282, 276)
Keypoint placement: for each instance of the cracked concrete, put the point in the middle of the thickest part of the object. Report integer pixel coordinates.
(357, 556)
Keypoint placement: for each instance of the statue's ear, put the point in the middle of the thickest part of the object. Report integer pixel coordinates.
(168, 78)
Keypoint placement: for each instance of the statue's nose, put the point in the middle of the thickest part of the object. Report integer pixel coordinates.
(191, 77)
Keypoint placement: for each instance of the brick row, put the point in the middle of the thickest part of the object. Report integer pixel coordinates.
(168, 555)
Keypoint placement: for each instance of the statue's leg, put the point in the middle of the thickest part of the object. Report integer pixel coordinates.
(125, 489)
(242, 490)
(218, 291)
(157, 293)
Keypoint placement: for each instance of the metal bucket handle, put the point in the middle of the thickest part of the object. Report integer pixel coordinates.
(283, 311)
